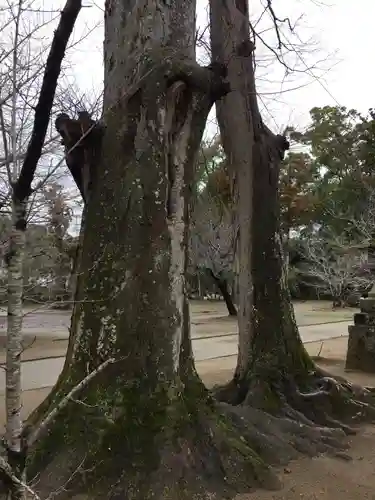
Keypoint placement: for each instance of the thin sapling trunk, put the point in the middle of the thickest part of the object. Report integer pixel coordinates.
(13, 389)
(14, 260)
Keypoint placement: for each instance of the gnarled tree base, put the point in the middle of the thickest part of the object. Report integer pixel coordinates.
(190, 448)
(321, 400)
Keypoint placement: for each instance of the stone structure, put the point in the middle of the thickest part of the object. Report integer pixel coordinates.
(361, 341)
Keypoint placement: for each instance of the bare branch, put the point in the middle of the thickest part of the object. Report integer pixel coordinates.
(6, 469)
(43, 108)
(34, 436)
(5, 145)
(333, 267)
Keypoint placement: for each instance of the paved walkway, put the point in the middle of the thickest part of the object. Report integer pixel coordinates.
(44, 372)
(207, 318)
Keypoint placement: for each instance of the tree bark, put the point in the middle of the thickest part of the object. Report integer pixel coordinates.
(14, 259)
(230, 32)
(255, 155)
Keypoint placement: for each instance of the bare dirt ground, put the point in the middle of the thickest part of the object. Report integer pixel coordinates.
(322, 478)
(325, 478)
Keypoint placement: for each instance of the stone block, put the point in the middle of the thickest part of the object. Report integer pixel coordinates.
(361, 348)
(367, 304)
(360, 318)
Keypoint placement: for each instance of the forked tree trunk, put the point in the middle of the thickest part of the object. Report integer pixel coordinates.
(146, 428)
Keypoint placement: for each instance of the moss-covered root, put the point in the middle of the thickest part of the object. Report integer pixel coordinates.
(217, 462)
(321, 399)
(233, 453)
(198, 451)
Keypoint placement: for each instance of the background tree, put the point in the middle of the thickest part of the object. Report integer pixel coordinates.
(336, 154)
(210, 158)
(43, 258)
(22, 63)
(340, 145)
(297, 182)
(59, 219)
(213, 233)
(335, 268)
(212, 245)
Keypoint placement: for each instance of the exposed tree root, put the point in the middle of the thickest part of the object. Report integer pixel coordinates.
(237, 451)
(198, 449)
(322, 399)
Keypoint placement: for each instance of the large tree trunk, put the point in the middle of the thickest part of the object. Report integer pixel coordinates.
(145, 427)
(274, 371)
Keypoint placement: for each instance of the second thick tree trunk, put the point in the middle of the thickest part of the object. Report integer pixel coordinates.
(230, 32)
(269, 342)
(275, 374)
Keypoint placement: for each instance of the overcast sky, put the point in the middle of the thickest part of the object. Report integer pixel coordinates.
(341, 32)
